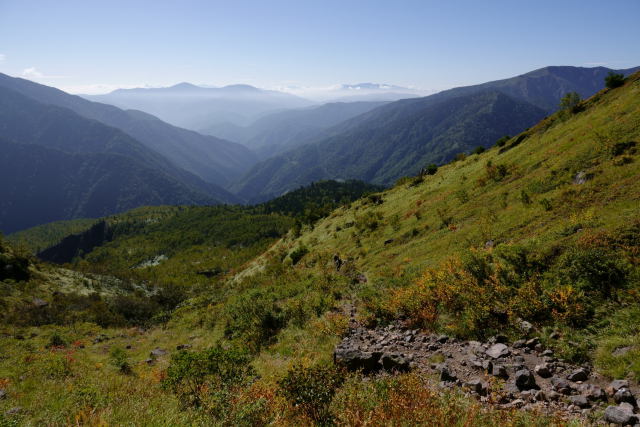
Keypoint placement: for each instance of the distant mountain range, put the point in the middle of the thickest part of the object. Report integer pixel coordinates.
(277, 132)
(64, 157)
(214, 160)
(195, 107)
(399, 138)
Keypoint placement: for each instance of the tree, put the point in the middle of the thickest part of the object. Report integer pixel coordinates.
(571, 102)
(432, 169)
(502, 141)
(614, 80)
(478, 150)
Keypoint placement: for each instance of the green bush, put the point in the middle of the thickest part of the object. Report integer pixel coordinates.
(614, 80)
(570, 102)
(593, 270)
(207, 378)
(297, 254)
(118, 358)
(478, 150)
(431, 169)
(311, 390)
(502, 141)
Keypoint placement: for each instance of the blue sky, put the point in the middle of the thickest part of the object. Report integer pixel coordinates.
(92, 46)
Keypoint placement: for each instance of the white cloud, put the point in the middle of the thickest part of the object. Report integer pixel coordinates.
(32, 73)
(97, 88)
(2, 57)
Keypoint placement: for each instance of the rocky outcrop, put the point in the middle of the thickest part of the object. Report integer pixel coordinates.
(531, 377)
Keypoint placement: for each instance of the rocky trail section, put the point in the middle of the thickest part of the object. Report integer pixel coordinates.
(521, 374)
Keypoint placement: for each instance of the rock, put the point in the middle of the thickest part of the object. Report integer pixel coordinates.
(543, 370)
(519, 344)
(624, 395)
(389, 241)
(532, 343)
(525, 326)
(394, 362)
(499, 371)
(487, 365)
(539, 396)
(442, 339)
(477, 386)
(157, 352)
(498, 351)
(446, 374)
(3, 394)
(518, 403)
(489, 244)
(547, 353)
(561, 385)
(621, 351)
(525, 380)
(354, 359)
(183, 346)
(40, 303)
(616, 385)
(579, 374)
(498, 339)
(580, 401)
(619, 415)
(580, 178)
(593, 392)
(554, 335)
(150, 361)
(14, 411)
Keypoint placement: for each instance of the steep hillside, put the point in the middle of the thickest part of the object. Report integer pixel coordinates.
(214, 160)
(393, 141)
(277, 132)
(195, 107)
(361, 144)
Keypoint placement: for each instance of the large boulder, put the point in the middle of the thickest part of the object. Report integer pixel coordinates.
(395, 362)
(354, 359)
(620, 415)
(525, 380)
(498, 351)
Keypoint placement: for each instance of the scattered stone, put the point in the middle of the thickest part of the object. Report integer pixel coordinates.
(525, 380)
(547, 353)
(579, 374)
(3, 394)
(499, 371)
(498, 351)
(621, 351)
(561, 385)
(593, 392)
(183, 346)
(40, 303)
(532, 343)
(554, 335)
(445, 374)
(616, 385)
(442, 339)
(354, 359)
(478, 386)
(157, 352)
(525, 326)
(394, 362)
(539, 396)
(543, 370)
(519, 344)
(580, 178)
(619, 415)
(624, 395)
(14, 411)
(580, 401)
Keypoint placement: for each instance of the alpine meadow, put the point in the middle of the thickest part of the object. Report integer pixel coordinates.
(205, 221)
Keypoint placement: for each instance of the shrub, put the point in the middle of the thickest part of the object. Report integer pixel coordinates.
(496, 172)
(570, 102)
(478, 150)
(297, 254)
(207, 378)
(119, 359)
(546, 204)
(311, 390)
(614, 80)
(56, 340)
(431, 169)
(502, 141)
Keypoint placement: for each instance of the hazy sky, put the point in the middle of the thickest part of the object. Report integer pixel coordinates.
(94, 46)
